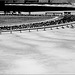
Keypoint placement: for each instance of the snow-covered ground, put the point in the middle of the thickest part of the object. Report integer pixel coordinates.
(42, 52)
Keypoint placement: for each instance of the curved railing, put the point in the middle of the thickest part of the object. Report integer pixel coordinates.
(55, 22)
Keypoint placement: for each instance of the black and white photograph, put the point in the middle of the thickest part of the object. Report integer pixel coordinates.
(37, 37)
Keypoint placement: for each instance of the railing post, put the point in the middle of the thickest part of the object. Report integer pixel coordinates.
(44, 28)
(57, 27)
(37, 29)
(0, 31)
(29, 30)
(11, 30)
(67, 26)
(20, 31)
(62, 27)
(51, 28)
(72, 26)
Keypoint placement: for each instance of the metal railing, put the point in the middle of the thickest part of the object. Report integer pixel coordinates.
(67, 24)
(44, 27)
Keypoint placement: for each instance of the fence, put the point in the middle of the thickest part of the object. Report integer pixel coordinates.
(37, 28)
(51, 23)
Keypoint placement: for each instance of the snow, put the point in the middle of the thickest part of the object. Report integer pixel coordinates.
(42, 52)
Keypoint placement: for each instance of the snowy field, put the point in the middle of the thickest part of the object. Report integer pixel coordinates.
(42, 52)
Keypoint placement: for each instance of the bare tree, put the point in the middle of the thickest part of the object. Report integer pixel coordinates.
(8, 1)
(49, 1)
(69, 1)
